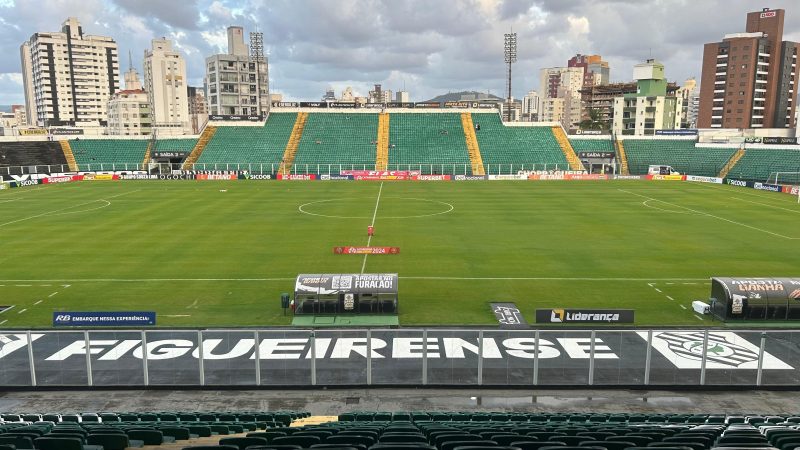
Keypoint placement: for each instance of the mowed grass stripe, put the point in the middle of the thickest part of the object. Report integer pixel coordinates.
(176, 244)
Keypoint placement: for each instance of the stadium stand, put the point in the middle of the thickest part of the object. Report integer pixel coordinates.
(415, 430)
(333, 139)
(682, 155)
(31, 153)
(517, 145)
(473, 148)
(117, 152)
(174, 145)
(433, 140)
(757, 164)
(255, 145)
(592, 145)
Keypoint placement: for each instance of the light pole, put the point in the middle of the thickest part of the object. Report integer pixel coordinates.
(510, 54)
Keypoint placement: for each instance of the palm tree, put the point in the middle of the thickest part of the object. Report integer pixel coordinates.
(594, 122)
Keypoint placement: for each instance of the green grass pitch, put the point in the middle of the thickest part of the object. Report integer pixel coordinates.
(219, 254)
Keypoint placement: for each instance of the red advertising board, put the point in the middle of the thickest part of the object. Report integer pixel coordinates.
(297, 177)
(431, 178)
(366, 250)
(216, 176)
(62, 179)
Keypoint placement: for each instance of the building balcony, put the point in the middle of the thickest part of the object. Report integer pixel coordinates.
(719, 82)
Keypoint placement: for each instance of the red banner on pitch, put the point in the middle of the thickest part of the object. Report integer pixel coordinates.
(366, 250)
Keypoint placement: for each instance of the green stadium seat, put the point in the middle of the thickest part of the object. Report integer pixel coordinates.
(758, 164)
(243, 442)
(682, 154)
(433, 143)
(109, 441)
(111, 153)
(231, 146)
(517, 148)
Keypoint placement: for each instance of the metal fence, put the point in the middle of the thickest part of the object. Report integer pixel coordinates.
(410, 357)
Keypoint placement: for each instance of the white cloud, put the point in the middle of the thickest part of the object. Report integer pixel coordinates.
(14, 77)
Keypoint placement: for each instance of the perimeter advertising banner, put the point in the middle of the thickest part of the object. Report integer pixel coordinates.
(380, 175)
(584, 315)
(104, 319)
(297, 177)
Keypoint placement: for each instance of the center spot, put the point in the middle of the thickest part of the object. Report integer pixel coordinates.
(362, 207)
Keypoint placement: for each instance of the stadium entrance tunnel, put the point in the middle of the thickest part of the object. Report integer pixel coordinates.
(363, 208)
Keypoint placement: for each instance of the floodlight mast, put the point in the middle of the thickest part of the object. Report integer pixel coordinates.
(510, 55)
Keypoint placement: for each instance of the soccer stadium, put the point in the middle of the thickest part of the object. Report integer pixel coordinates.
(398, 275)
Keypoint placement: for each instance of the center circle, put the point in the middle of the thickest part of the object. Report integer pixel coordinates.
(366, 207)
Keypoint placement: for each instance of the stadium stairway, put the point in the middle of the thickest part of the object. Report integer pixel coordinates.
(294, 140)
(622, 157)
(566, 147)
(147, 154)
(205, 137)
(731, 163)
(382, 146)
(472, 144)
(67, 149)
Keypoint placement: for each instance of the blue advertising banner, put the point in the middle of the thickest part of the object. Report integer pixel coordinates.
(103, 319)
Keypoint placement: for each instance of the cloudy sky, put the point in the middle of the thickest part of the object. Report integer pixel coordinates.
(428, 46)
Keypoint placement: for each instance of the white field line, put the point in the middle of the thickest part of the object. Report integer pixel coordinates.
(65, 209)
(433, 278)
(670, 298)
(657, 290)
(7, 309)
(374, 215)
(797, 211)
(54, 293)
(39, 301)
(22, 311)
(712, 216)
(682, 306)
(3, 321)
(698, 317)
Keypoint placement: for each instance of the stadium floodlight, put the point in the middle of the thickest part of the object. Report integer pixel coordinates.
(510, 55)
(257, 56)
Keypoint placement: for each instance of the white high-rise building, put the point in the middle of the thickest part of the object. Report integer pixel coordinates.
(69, 76)
(402, 97)
(165, 83)
(530, 107)
(129, 109)
(237, 84)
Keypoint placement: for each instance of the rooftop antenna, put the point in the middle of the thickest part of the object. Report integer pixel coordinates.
(130, 60)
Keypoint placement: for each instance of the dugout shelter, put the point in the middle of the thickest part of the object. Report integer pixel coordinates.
(366, 293)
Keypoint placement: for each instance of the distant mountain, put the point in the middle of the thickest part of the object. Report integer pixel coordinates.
(464, 96)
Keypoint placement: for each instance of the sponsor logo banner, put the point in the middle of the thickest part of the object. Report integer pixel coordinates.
(698, 179)
(463, 105)
(138, 176)
(590, 132)
(332, 177)
(381, 175)
(740, 183)
(793, 190)
(176, 176)
(687, 132)
(628, 177)
(100, 177)
(62, 179)
(779, 140)
(326, 284)
(259, 176)
(767, 14)
(297, 177)
(217, 176)
(234, 118)
(509, 316)
(599, 155)
(26, 183)
(337, 105)
(366, 250)
(431, 178)
(103, 319)
(427, 105)
(666, 177)
(32, 132)
(286, 104)
(66, 131)
(469, 177)
(584, 316)
(399, 105)
(725, 350)
(519, 176)
(766, 187)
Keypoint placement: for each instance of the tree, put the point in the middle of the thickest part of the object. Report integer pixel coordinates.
(594, 122)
